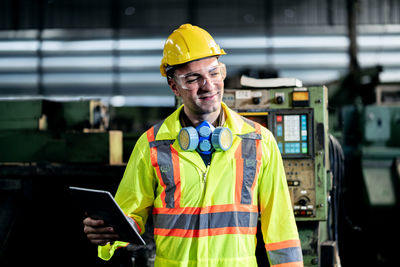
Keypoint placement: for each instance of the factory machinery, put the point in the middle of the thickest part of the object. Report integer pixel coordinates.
(47, 146)
(298, 118)
(370, 200)
(344, 194)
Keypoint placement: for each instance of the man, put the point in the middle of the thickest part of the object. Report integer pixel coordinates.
(205, 202)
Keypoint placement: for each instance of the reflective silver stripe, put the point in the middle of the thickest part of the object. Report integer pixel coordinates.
(285, 255)
(249, 156)
(157, 128)
(246, 120)
(249, 153)
(161, 142)
(207, 220)
(133, 223)
(164, 161)
(253, 136)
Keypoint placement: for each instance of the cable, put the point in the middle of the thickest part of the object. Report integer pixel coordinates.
(336, 158)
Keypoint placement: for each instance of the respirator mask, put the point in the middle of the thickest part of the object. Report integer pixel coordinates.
(205, 138)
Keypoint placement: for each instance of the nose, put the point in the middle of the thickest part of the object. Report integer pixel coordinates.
(207, 84)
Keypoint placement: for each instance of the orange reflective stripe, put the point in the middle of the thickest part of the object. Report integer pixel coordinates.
(289, 264)
(199, 222)
(163, 194)
(208, 209)
(258, 157)
(150, 135)
(257, 126)
(137, 225)
(153, 150)
(239, 174)
(165, 160)
(205, 232)
(248, 162)
(259, 152)
(177, 177)
(285, 253)
(167, 169)
(283, 244)
(154, 163)
(153, 156)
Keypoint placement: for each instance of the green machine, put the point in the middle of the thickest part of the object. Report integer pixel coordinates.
(380, 154)
(381, 146)
(370, 138)
(45, 147)
(298, 118)
(56, 131)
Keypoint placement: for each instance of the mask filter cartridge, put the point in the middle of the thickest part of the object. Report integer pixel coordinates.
(205, 138)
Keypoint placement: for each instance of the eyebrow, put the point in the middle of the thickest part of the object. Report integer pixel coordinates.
(212, 68)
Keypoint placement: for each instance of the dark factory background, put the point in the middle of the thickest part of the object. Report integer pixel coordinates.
(80, 82)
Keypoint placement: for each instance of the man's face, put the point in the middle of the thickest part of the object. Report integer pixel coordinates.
(200, 85)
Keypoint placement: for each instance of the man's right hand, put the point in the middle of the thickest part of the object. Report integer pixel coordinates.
(98, 233)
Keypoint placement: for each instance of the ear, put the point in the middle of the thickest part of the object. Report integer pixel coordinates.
(172, 84)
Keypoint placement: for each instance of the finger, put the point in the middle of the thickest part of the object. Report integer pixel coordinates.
(98, 230)
(92, 222)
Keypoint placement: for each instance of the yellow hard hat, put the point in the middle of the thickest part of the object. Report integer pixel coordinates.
(188, 43)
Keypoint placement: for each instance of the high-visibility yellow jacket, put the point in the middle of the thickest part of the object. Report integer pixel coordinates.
(207, 215)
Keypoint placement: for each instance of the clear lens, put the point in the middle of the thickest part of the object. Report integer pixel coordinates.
(198, 78)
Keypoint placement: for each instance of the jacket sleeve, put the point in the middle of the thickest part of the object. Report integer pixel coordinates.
(278, 224)
(135, 194)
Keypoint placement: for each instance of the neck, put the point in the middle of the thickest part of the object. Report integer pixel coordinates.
(196, 119)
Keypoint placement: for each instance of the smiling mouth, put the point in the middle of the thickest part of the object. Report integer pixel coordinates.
(207, 97)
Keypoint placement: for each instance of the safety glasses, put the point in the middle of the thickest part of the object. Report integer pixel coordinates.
(213, 74)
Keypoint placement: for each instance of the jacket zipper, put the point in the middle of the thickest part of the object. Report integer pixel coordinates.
(205, 174)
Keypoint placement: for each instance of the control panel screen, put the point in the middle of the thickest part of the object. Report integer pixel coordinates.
(292, 133)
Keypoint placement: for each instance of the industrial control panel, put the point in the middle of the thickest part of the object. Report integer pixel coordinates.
(297, 117)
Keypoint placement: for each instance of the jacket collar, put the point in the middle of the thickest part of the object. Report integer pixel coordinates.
(170, 128)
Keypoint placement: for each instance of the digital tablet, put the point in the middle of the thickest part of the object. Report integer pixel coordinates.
(101, 205)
